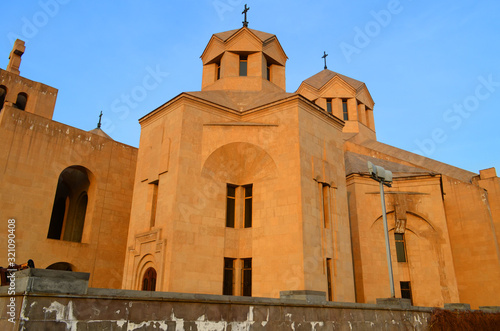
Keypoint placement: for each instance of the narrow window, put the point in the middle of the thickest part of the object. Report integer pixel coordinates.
(217, 70)
(248, 205)
(230, 205)
(400, 246)
(243, 65)
(326, 205)
(3, 94)
(406, 290)
(246, 278)
(228, 281)
(269, 72)
(149, 280)
(22, 99)
(329, 106)
(154, 203)
(344, 109)
(329, 278)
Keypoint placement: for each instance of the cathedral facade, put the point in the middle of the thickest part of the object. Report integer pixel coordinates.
(245, 189)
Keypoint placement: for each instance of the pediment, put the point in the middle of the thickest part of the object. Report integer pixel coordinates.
(307, 91)
(214, 48)
(337, 88)
(244, 41)
(274, 50)
(364, 96)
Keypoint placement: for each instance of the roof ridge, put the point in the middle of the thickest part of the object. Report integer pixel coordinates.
(263, 36)
(415, 159)
(321, 78)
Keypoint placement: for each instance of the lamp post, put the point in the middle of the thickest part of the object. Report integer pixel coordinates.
(384, 177)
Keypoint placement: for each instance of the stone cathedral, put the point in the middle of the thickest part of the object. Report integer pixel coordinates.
(244, 189)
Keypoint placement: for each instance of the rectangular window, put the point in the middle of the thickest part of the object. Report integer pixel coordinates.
(326, 205)
(243, 65)
(329, 278)
(400, 246)
(269, 72)
(230, 205)
(217, 71)
(248, 205)
(246, 278)
(329, 106)
(228, 282)
(406, 290)
(344, 109)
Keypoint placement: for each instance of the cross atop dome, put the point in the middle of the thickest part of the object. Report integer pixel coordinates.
(324, 57)
(245, 22)
(100, 117)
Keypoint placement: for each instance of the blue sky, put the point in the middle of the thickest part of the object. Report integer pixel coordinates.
(432, 67)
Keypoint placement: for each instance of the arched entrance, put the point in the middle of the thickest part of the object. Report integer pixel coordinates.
(149, 280)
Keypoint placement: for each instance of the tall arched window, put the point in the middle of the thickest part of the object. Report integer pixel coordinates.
(70, 205)
(3, 94)
(22, 100)
(149, 280)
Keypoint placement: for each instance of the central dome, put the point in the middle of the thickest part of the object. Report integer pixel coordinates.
(241, 59)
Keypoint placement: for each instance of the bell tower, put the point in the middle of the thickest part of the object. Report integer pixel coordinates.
(15, 57)
(243, 60)
(22, 93)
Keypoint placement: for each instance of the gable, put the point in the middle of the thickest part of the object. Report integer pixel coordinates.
(307, 91)
(364, 96)
(273, 50)
(244, 41)
(214, 48)
(337, 88)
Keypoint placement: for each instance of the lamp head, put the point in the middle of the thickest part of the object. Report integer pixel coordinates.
(379, 173)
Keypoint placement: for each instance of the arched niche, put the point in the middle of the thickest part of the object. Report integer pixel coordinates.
(3, 95)
(415, 223)
(239, 163)
(69, 211)
(21, 101)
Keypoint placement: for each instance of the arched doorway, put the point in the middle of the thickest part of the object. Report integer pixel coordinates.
(149, 280)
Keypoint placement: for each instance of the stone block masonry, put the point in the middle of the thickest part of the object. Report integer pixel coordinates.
(136, 310)
(61, 301)
(42, 308)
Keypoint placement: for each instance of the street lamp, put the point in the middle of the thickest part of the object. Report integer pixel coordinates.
(384, 177)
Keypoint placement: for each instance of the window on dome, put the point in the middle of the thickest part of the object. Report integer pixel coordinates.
(243, 65)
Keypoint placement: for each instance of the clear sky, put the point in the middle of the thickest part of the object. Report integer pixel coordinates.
(432, 67)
